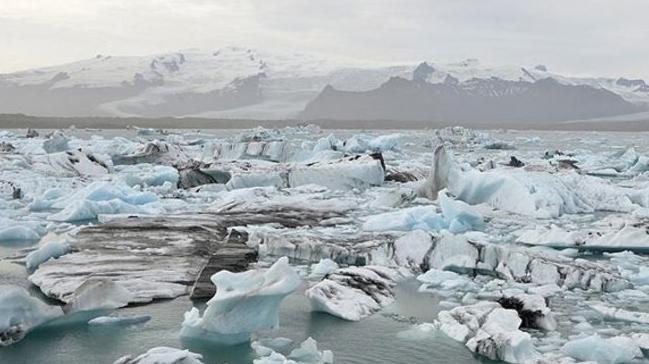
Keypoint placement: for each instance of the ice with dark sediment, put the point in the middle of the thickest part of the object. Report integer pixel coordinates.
(504, 247)
(354, 293)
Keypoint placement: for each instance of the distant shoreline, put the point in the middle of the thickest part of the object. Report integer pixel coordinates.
(19, 121)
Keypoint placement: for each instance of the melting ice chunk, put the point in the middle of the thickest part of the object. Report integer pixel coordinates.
(244, 303)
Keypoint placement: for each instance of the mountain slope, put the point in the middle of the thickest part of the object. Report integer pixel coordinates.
(245, 83)
(473, 101)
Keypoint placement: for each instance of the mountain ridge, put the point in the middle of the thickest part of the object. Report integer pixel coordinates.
(236, 82)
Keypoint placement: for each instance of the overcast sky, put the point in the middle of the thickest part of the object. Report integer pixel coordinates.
(585, 37)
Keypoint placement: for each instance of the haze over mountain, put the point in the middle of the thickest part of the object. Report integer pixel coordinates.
(237, 82)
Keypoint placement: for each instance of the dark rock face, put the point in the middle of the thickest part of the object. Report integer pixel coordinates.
(475, 100)
(422, 72)
(630, 83)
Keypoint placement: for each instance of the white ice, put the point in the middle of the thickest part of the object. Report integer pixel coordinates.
(243, 304)
(50, 248)
(594, 348)
(306, 353)
(20, 313)
(163, 355)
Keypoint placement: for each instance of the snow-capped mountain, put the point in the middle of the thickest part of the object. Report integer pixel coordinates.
(246, 83)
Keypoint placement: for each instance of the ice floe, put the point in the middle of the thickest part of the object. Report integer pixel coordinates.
(163, 355)
(20, 313)
(614, 350)
(489, 330)
(306, 353)
(118, 320)
(51, 246)
(244, 303)
(353, 293)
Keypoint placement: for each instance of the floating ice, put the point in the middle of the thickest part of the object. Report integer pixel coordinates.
(20, 230)
(56, 142)
(489, 330)
(244, 303)
(70, 163)
(323, 267)
(538, 194)
(532, 309)
(458, 253)
(20, 313)
(49, 249)
(435, 279)
(306, 353)
(163, 355)
(456, 216)
(353, 293)
(410, 249)
(621, 314)
(459, 216)
(147, 175)
(98, 294)
(119, 321)
(103, 198)
(603, 351)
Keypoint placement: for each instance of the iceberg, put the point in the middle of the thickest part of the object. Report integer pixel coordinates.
(306, 353)
(620, 314)
(489, 330)
(411, 249)
(20, 313)
(460, 254)
(103, 198)
(244, 303)
(56, 142)
(353, 293)
(531, 193)
(70, 163)
(98, 294)
(457, 217)
(615, 350)
(119, 321)
(163, 355)
(20, 230)
(532, 309)
(627, 235)
(435, 279)
(147, 175)
(49, 249)
(323, 267)
(443, 170)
